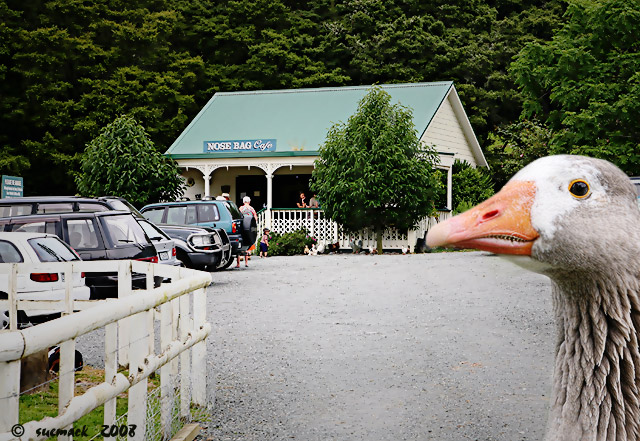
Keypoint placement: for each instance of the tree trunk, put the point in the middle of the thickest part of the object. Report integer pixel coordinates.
(379, 240)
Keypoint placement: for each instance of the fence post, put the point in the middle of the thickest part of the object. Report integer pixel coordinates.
(199, 351)
(110, 368)
(138, 345)
(13, 298)
(185, 371)
(9, 394)
(124, 289)
(167, 391)
(66, 378)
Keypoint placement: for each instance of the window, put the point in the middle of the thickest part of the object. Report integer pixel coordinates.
(182, 214)
(123, 230)
(233, 209)
(35, 227)
(51, 249)
(82, 234)
(15, 210)
(9, 253)
(88, 207)
(207, 213)
(154, 215)
(66, 207)
(153, 232)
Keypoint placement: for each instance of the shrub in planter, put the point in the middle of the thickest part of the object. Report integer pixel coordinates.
(290, 244)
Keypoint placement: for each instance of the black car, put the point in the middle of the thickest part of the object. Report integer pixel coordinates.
(200, 247)
(109, 235)
(208, 254)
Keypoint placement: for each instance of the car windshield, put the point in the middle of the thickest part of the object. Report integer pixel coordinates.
(123, 230)
(52, 249)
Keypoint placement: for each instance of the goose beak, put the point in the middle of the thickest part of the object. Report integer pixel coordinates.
(501, 224)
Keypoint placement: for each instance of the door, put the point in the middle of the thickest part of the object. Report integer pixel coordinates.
(253, 186)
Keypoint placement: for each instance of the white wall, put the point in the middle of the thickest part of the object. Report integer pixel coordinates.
(445, 132)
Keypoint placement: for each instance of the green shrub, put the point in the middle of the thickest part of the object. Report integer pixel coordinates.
(290, 244)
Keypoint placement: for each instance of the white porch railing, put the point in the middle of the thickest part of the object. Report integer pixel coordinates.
(326, 231)
(183, 330)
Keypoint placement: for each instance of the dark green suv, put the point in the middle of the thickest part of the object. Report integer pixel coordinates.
(242, 231)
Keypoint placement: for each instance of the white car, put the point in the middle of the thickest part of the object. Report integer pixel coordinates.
(37, 248)
(164, 244)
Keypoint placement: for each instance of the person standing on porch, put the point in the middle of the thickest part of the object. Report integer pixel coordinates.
(302, 201)
(313, 202)
(245, 210)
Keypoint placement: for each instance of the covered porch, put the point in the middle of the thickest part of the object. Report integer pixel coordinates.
(274, 183)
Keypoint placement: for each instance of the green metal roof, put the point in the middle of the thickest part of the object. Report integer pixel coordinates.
(297, 120)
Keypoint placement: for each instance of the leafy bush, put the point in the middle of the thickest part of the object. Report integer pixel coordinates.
(470, 186)
(289, 244)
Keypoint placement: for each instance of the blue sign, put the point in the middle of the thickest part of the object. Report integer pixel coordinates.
(238, 146)
(12, 187)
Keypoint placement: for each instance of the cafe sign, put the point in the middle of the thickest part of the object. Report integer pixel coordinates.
(239, 146)
(12, 187)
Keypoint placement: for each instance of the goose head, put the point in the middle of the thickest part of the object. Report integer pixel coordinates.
(559, 214)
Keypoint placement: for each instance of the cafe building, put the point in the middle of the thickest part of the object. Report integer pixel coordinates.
(264, 143)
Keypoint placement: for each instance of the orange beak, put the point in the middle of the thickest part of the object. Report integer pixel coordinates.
(501, 224)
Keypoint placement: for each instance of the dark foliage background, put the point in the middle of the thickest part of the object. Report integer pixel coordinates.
(68, 68)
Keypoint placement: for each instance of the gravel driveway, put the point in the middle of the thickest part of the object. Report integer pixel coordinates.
(450, 346)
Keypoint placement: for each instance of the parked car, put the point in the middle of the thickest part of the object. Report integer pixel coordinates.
(200, 247)
(189, 253)
(38, 248)
(242, 232)
(165, 246)
(109, 235)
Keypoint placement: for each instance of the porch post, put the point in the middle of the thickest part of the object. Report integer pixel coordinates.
(449, 185)
(269, 200)
(207, 179)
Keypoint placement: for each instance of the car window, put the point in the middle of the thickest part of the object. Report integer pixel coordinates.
(182, 214)
(55, 208)
(9, 253)
(207, 213)
(123, 230)
(15, 210)
(153, 232)
(89, 207)
(82, 234)
(52, 249)
(154, 215)
(48, 227)
(233, 209)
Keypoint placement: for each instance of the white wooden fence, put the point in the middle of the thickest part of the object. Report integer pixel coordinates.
(284, 220)
(183, 329)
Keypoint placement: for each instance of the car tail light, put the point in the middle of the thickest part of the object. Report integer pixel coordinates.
(234, 228)
(152, 259)
(82, 275)
(44, 277)
(173, 252)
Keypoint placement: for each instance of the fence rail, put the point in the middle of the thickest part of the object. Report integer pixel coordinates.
(128, 322)
(283, 220)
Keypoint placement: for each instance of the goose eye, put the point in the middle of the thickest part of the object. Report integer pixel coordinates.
(579, 188)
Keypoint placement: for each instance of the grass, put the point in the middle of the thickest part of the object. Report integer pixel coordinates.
(43, 404)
